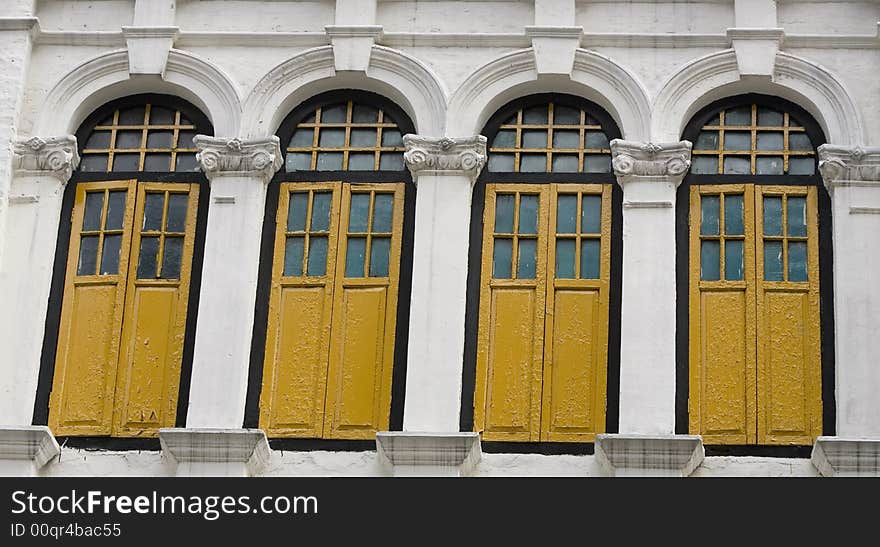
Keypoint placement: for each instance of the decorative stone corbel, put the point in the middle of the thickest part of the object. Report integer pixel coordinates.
(756, 50)
(215, 452)
(437, 155)
(219, 156)
(25, 450)
(408, 454)
(849, 166)
(554, 48)
(352, 45)
(638, 161)
(54, 156)
(649, 455)
(148, 48)
(837, 457)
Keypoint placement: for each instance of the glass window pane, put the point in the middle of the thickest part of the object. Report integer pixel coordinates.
(597, 163)
(391, 137)
(710, 261)
(321, 202)
(171, 257)
(714, 120)
(132, 116)
(704, 165)
(363, 113)
(383, 211)
(533, 163)
(186, 163)
(361, 161)
(128, 139)
(709, 215)
(505, 138)
(504, 213)
(773, 216)
(88, 255)
(591, 214)
(707, 140)
(768, 165)
(354, 259)
(298, 161)
(797, 261)
(535, 115)
(590, 258)
(185, 139)
(98, 140)
(596, 140)
(566, 214)
(93, 163)
(333, 138)
(302, 138)
(126, 162)
(526, 258)
(333, 113)
(733, 215)
(161, 116)
(534, 138)
(738, 116)
(115, 210)
(769, 140)
(799, 141)
(502, 257)
(153, 209)
(528, 214)
(157, 162)
(317, 256)
(565, 163)
(769, 117)
(797, 216)
(293, 256)
(160, 139)
(329, 161)
(92, 214)
(147, 258)
(380, 252)
(733, 260)
(359, 213)
(792, 122)
(565, 256)
(565, 115)
(176, 221)
(801, 166)
(501, 163)
(737, 165)
(566, 139)
(737, 140)
(391, 162)
(363, 138)
(773, 261)
(297, 210)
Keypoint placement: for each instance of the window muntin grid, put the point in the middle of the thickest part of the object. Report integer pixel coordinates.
(144, 137)
(753, 140)
(550, 138)
(346, 136)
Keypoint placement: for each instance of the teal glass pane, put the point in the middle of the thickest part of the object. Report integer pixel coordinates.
(303, 138)
(354, 258)
(534, 138)
(590, 258)
(297, 211)
(773, 261)
(361, 161)
(317, 256)
(88, 255)
(797, 261)
(160, 139)
(528, 214)
(526, 257)
(597, 163)
(93, 163)
(505, 138)
(797, 216)
(714, 120)
(293, 256)
(793, 122)
(175, 220)
(535, 115)
(502, 257)
(773, 216)
(391, 161)
(310, 118)
(510, 121)
(171, 258)
(769, 140)
(769, 165)
(504, 213)
(153, 209)
(128, 139)
(380, 252)
(333, 113)
(186, 163)
(707, 140)
(710, 261)
(738, 116)
(737, 140)
(533, 163)
(110, 255)
(383, 213)
(297, 161)
(363, 138)
(565, 115)
(709, 215)
(566, 139)
(132, 116)
(501, 163)
(126, 162)
(733, 215)
(768, 117)
(359, 213)
(563, 163)
(92, 214)
(157, 162)
(161, 116)
(801, 166)
(361, 113)
(116, 210)
(331, 138)
(799, 142)
(565, 257)
(736, 165)
(321, 202)
(566, 214)
(733, 260)
(147, 258)
(704, 165)
(595, 140)
(391, 137)
(591, 214)
(185, 139)
(98, 140)
(329, 161)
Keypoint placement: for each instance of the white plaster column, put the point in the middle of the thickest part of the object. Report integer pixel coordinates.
(239, 172)
(42, 167)
(649, 175)
(444, 171)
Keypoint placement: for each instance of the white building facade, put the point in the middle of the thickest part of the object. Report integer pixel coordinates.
(450, 96)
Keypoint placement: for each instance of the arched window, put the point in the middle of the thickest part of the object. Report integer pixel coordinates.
(545, 258)
(754, 286)
(126, 273)
(336, 270)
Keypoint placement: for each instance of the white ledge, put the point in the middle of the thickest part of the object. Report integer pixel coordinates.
(648, 455)
(836, 457)
(428, 454)
(26, 449)
(214, 452)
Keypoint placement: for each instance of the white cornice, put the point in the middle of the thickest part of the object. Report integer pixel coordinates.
(553, 32)
(354, 31)
(19, 23)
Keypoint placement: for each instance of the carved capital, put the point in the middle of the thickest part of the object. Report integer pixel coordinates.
(220, 156)
(429, 154)
(849, 166)
(632, 160)
(54, 156)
